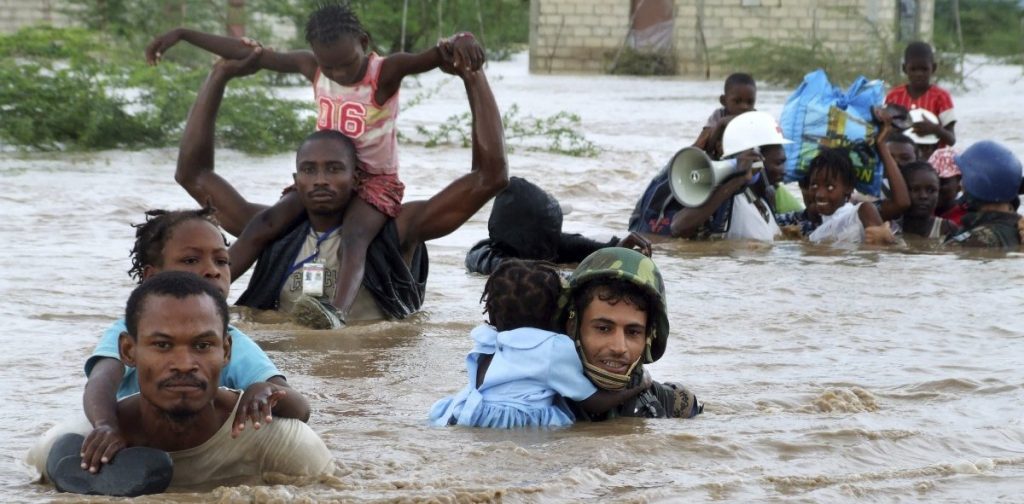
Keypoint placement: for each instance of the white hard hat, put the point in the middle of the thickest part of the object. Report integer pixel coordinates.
(917, 115)
(749, 130)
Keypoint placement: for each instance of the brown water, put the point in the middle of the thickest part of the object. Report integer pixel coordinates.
(828, 374)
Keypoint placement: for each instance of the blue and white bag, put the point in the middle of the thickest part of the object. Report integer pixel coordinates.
(819, 114)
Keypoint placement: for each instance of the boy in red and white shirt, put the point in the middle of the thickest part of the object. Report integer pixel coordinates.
(919, 92)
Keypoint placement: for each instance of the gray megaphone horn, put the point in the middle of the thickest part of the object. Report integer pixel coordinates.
(693, 176)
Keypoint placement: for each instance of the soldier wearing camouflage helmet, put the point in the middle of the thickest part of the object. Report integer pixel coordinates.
(617, 316)
(991, 180)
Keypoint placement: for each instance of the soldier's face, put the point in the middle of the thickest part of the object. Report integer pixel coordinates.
(613, 333)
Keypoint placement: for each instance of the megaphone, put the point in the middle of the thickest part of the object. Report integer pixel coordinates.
(693, 176)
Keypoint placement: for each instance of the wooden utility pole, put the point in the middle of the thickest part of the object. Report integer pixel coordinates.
(959, 36)
(480, 21)
(235, 24)
(440, 18)
(405, 16)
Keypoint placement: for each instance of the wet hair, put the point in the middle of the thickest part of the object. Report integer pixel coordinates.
(151, 236)
(738, 79)
(331, 21)
(834, 163)
(523, 294)
(918, 50)
(613, 290)
(177, 284)
(330, 135)
(918, 166)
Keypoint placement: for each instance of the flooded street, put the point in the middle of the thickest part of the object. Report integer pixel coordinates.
(828, 374)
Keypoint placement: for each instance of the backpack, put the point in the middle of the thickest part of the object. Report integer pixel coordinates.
(654, 211)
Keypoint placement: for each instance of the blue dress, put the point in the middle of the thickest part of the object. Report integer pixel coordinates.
(531, 372)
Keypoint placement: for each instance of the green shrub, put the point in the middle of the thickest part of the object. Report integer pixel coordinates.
(253, 121)
(48, 109)
(59, 89)
(630, 61)
(785, 63)
(992, 27)
(559, 133)
(500, 24)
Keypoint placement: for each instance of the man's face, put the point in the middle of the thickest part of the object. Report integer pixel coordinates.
(903, 153)
(179, 353)
(613, 335)
(196, 246)
(325, 175)
(738, 99)
(774, 163)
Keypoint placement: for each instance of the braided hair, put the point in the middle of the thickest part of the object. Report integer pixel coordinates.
(152, 235)
(330, 21)
(835, 163)
(523, 294)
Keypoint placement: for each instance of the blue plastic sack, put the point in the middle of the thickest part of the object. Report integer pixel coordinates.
(819, 114)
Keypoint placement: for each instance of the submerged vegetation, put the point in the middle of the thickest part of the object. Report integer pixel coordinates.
(74, 89)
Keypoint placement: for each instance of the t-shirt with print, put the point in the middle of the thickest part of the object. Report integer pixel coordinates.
(249, 363)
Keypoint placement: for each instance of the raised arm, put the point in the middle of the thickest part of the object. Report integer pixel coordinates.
(460, 50)
(893, 207)
(267, 226)
(421, 221)
(195, 156)
(301, 62)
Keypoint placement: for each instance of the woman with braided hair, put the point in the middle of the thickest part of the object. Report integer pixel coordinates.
(521, 367)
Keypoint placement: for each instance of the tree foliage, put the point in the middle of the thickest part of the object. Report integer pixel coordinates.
(66, 89)
(89, 88)
(993, 27)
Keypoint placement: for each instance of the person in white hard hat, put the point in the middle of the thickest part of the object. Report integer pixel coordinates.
(739, 208)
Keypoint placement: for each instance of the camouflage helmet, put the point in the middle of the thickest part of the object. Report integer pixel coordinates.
(634, 267)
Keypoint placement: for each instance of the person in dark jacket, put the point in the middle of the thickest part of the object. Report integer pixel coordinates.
(526, 223)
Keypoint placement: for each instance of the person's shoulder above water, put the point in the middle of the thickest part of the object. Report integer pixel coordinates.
(989, 230)
(284, 446)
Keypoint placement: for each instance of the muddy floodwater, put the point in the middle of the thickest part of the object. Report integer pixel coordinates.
(829, 374)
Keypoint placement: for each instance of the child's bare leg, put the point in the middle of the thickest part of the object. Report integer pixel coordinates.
(362, 223)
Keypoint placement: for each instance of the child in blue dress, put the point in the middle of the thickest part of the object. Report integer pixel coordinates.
(522, 366)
